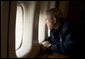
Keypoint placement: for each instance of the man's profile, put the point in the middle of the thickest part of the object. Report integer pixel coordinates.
(60, 40)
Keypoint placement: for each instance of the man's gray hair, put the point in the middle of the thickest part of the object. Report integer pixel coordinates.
(54, 12)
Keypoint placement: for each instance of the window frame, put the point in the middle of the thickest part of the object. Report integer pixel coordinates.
(20, 5)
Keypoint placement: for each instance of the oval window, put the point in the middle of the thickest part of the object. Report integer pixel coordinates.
(18, 29)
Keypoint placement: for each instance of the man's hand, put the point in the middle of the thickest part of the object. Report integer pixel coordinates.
(44, 46)
(46, 43)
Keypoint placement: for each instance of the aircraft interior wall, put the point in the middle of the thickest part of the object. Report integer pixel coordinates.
(34, 30)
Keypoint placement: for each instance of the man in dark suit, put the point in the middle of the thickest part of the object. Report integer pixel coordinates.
(60, 40)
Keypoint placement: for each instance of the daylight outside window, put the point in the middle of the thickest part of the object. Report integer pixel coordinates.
(18, 29)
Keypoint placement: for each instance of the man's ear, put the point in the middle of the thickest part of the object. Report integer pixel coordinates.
(54, 19)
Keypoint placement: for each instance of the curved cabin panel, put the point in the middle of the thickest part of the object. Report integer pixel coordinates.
(23, 26)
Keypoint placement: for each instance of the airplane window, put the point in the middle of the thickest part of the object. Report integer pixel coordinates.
(41, 28)
(18, 29)
(41, 33)
(24, 28)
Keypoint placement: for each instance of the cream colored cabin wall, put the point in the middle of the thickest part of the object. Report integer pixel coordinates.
(26, 48)
(36, 22)
(30, 46)
(35, 45)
